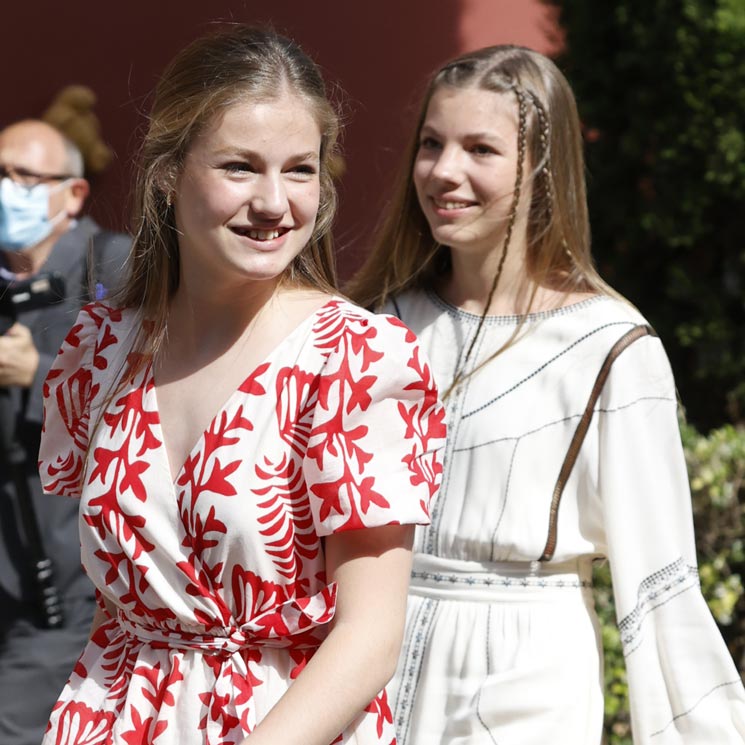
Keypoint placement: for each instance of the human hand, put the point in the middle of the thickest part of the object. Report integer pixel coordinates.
(19, 358)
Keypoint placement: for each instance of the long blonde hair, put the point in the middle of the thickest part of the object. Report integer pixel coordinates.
(211, 74)
(406, 255)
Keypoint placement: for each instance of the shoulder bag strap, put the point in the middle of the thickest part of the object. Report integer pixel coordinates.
(579, 434)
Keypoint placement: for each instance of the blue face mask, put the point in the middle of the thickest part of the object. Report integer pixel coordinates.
(24, 214)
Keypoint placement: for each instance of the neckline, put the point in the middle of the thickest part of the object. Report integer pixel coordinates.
(511, 320)
(149, 381)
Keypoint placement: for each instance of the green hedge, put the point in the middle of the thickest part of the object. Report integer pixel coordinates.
(716, 466)
(660, 86)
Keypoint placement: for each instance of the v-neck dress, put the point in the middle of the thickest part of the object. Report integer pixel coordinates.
(218, 578)
(503, 649)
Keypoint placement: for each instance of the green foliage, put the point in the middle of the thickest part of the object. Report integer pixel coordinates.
(716, 467)
(660, 86)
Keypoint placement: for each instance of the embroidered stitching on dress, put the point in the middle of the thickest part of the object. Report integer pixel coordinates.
(504, 502)
(432, 532)
(410, 674)
(511, 320)
(542, 367)
(688, 711)
(656, 590)
(492, 581)
(563, 420)
(488, 673)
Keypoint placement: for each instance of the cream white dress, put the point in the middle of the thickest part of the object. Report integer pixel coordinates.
(501, 649)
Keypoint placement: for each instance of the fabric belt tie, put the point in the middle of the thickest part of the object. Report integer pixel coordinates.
(293, 623)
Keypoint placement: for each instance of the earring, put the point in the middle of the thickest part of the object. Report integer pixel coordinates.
(169, 200)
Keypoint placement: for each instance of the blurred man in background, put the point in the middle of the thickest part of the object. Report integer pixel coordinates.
(51, 263)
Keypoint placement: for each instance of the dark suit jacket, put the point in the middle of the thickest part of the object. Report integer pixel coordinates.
(57, 515)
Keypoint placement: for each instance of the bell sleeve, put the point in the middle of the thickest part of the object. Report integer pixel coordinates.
(683, 685)
(67, 394)
(374, 452)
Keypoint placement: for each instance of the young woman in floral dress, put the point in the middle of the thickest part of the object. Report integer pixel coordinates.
(251, 452)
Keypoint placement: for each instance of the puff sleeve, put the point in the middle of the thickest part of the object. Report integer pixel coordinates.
(67, 394)
(374, 451)
(684, 688)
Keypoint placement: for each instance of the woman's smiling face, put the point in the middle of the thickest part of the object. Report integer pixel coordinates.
(247, 197)
(466, 165)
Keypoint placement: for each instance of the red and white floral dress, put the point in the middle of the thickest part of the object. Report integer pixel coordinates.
(218, 578)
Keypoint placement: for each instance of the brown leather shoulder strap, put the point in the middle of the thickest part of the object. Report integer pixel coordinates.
(579, 434)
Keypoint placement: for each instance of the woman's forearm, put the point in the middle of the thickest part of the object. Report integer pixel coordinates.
(346, 673)
(371, 569)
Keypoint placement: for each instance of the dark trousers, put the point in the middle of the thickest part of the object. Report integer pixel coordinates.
(34, 667)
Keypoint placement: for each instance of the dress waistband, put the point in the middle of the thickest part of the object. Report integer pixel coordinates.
(472, 580)
(298, 623)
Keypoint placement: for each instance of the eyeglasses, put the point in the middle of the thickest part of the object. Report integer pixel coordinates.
(29, 179)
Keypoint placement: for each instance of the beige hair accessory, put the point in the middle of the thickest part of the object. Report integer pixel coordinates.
(71, 112)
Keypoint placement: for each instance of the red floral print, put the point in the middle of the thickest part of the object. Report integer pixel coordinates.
(218, 578)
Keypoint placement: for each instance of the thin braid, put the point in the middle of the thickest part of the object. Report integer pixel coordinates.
(545, 140)
(522, 132)
(547, 176)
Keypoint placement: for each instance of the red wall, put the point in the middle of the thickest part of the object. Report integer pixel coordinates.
(530, 23)
(379, 53)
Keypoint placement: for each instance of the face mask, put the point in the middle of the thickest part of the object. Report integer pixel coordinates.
(23, 214)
